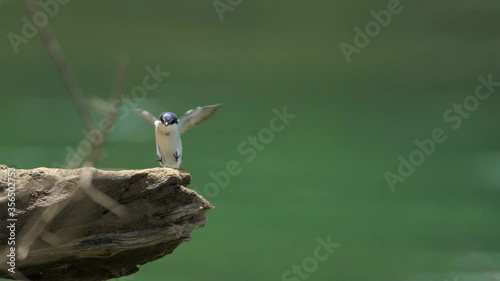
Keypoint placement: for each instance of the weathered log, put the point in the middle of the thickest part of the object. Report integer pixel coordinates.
(67, 231)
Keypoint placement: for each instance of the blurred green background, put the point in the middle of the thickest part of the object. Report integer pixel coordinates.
(321, 176)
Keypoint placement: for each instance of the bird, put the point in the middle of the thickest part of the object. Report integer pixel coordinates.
(168, 131)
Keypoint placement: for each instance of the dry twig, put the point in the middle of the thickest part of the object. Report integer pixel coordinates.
(116, 102)
(57, 55)
(38, 224)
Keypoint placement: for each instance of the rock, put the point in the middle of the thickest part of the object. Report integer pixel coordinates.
(67, 229)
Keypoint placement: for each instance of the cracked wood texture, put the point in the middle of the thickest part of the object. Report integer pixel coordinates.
(152, 213)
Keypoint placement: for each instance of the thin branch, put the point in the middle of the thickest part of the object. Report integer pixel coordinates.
(50, 238)
(37, 230)
(38, 224)
(100, 106)
(117, 94)
(56, 53)
(59, 59)
(98, 196)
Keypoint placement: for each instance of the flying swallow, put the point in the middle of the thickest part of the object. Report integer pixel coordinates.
(168, 131)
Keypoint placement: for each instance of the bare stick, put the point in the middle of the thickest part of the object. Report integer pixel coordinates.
(98, 196)
(37, 229)
(37, 226)
(46, 217)
(58, 58)
(116, 102)
(57, 55)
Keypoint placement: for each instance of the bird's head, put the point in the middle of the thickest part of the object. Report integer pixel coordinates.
(168, 118)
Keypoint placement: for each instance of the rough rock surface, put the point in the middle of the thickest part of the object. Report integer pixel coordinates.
(150, 214)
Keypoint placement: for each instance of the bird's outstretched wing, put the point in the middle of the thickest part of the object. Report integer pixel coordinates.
(146, 115)
(196, 115)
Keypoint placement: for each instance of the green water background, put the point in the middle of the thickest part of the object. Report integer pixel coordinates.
(323, 175)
